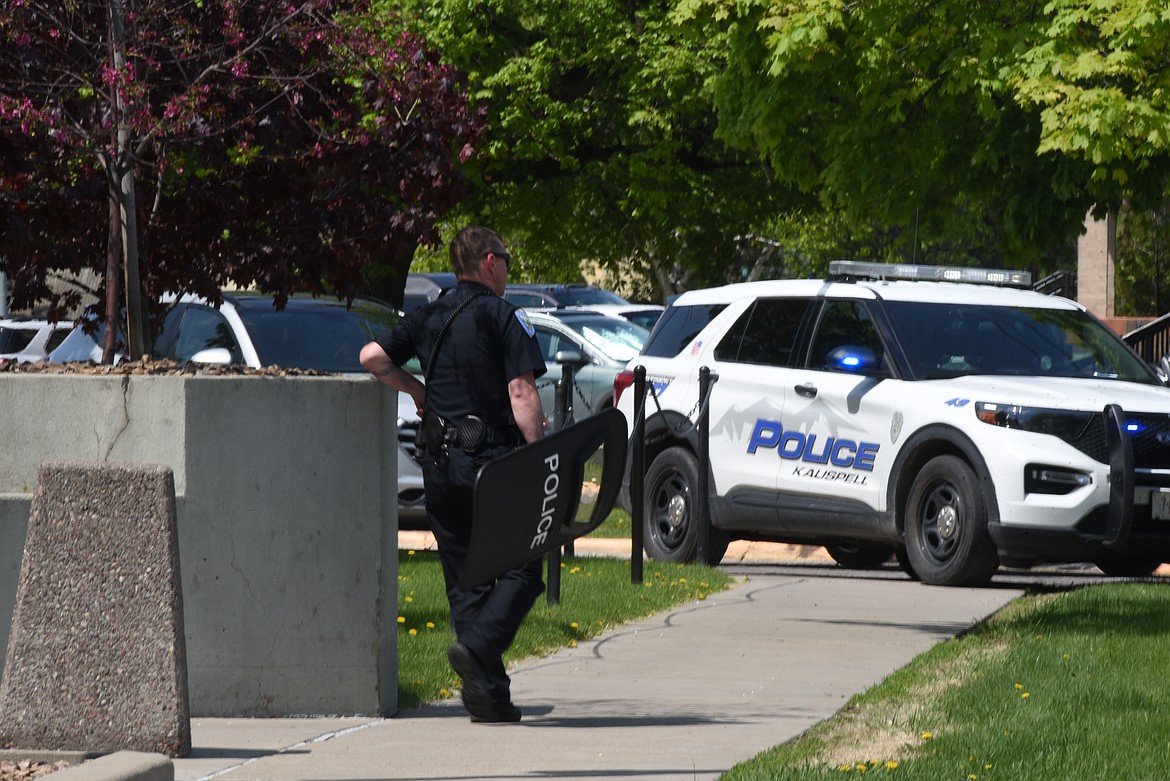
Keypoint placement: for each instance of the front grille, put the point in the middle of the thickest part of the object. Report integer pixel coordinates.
(1148, 451)
(407, 434)
(1151, 440)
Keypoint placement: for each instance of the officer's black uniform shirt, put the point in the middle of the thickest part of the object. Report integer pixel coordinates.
(488, 344)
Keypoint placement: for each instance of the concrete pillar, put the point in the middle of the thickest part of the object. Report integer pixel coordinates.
(1096, 249)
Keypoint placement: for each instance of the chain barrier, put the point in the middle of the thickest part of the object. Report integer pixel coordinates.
(691, 417)
(580, 395)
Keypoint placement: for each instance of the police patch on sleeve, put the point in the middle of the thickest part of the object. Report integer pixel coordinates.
(525, 323)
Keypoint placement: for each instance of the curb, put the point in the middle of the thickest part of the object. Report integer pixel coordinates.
(119, 766)
(621, 548)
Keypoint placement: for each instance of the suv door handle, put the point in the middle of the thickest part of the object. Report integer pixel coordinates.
(808, 391)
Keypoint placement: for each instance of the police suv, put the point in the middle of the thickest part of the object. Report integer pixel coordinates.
(949, 417)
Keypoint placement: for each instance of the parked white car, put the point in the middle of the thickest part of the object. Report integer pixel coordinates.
(309, 333)
(28, 340)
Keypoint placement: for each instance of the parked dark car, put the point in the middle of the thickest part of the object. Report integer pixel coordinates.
(538, 296)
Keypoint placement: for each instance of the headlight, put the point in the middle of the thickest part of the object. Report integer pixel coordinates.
(1068, 425)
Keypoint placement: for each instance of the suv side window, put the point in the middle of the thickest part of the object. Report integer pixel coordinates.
(844, 324)
(203, 328)
(765, 333)
(677, 327)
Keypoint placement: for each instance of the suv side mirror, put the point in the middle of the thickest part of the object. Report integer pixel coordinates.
(216, 355)
(573, 357)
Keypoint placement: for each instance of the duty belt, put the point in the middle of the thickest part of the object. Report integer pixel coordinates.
(470, 433)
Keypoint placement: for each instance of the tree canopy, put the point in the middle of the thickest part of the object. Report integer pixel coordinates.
(601, 142)
(283, 146)
(907, 113)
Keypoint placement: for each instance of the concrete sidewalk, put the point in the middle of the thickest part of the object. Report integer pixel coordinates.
(684, 694)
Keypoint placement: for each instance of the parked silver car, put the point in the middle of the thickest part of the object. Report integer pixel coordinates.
(604, 344)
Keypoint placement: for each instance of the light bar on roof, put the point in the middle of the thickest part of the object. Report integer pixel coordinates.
(858, 269)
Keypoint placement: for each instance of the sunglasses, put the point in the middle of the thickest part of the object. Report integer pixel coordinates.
(506, 257)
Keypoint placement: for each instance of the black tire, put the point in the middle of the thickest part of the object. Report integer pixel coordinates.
(947, 542)
(671, 532)
(859, 556)
(904, 563)
(1128, 568)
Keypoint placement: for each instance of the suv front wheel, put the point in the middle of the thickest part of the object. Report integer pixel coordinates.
(671, 510)
(947, 543)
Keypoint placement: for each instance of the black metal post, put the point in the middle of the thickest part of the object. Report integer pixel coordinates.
(638, 475)
(702, 507)
(562, 400)
(564, 413)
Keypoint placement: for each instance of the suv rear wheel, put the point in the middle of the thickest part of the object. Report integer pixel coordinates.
(1127, 568)
(671, 510)
(947, 543)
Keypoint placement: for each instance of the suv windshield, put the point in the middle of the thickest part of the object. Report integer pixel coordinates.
(946, 340)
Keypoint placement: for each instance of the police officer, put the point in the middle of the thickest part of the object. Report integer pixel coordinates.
(480, 361)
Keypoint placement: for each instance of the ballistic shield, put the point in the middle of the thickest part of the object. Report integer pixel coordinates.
(545, 495)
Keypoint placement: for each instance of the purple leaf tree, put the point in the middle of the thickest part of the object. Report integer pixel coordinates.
(287, 146)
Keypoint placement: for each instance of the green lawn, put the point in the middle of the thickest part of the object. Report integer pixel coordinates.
(1070, 685)
(596, 594)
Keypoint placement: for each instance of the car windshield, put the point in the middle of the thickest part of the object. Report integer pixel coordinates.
(316, 334)
(946, 340)
(617, 339)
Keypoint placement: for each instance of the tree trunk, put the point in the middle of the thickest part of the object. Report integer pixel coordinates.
(123, 171)
(113, 250)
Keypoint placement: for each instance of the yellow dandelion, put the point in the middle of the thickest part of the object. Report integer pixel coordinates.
(573, 624)
(891, 765)
(972, 777)
(1018, 685)
(572, 643)
(430, 625)
(1025, 696)
(408, 599)
(927, 735)
(410, 553)
(413, 631)
(1065, 657)
(574, 570)
(845, 768)
(444, 693)
(862, 767)
(402, 619)
(682, 580)
(987, 766)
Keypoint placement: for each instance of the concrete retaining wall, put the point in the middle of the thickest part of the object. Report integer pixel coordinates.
(287, 523)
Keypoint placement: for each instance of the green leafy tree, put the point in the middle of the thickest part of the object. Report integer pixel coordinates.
(920, 116)
(1143, 260)
(601, 144)
(185, 146)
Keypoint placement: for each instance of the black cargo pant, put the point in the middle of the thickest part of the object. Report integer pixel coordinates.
(485, 618)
